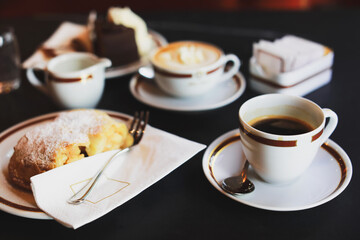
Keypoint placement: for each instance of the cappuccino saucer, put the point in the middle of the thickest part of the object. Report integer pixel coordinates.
(147, 92)
(325, 179)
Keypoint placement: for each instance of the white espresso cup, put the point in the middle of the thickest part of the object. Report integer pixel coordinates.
(73, 80)
(281, 150)
(191, 68)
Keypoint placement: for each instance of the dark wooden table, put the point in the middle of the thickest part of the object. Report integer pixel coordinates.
(184, 205)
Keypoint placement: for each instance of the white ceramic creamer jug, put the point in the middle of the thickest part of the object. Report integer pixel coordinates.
(73, 80)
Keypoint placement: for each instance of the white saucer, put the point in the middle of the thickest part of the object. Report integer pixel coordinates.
(117, 71)
(326, 178)
(148, 92)
(14, 200)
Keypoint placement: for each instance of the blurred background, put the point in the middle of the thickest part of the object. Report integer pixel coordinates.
(16, 8)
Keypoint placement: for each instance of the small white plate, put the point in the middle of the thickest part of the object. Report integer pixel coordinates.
(12, 199)
(326, 178)
(117, 71)
(147, 92)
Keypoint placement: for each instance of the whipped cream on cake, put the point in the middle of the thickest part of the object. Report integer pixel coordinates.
(127, 18)
(122, 36)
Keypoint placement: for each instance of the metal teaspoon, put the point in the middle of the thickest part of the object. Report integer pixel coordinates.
(238, 185)
(146, 72)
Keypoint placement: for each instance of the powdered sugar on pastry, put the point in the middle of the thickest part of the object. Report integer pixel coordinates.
(66, 139)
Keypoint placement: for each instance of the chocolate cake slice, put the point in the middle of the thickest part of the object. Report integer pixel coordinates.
(115, 42)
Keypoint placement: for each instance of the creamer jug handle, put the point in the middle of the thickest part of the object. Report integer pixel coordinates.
(35, 81)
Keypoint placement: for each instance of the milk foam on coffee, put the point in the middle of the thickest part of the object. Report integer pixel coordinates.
(186, 56)
(190, 55)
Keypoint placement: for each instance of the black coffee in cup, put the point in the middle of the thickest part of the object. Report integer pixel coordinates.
(281, 125)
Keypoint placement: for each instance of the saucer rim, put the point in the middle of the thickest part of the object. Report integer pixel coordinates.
(343, 183)
(228, 100)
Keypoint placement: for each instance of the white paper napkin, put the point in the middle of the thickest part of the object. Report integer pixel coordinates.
(286, 54)
(68, 37)
(157, 155)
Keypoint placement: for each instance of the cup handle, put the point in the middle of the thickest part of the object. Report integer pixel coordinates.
(35, 81)
(330, 127)
(234, 69)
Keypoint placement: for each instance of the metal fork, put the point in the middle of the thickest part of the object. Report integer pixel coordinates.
(137, 129)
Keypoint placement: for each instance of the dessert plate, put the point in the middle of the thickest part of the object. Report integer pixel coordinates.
(146, 91)
(326, 178)
(13, 200)
(117, 71)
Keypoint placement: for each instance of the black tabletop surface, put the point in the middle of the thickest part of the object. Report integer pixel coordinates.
(184, 205)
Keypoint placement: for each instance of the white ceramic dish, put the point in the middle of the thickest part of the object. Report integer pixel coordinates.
(118, 71)
(326, 178)
(225, 93)
(13, 200)
(73, 80)
(299, 89)
(288, 79)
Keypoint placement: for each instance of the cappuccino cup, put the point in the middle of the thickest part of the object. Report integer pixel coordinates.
(281, 135)
(73, 80)
(191, 68)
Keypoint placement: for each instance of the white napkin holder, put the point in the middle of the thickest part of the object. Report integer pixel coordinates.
(297, 82)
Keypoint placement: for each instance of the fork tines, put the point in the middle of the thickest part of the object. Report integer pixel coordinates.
(138, 125)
